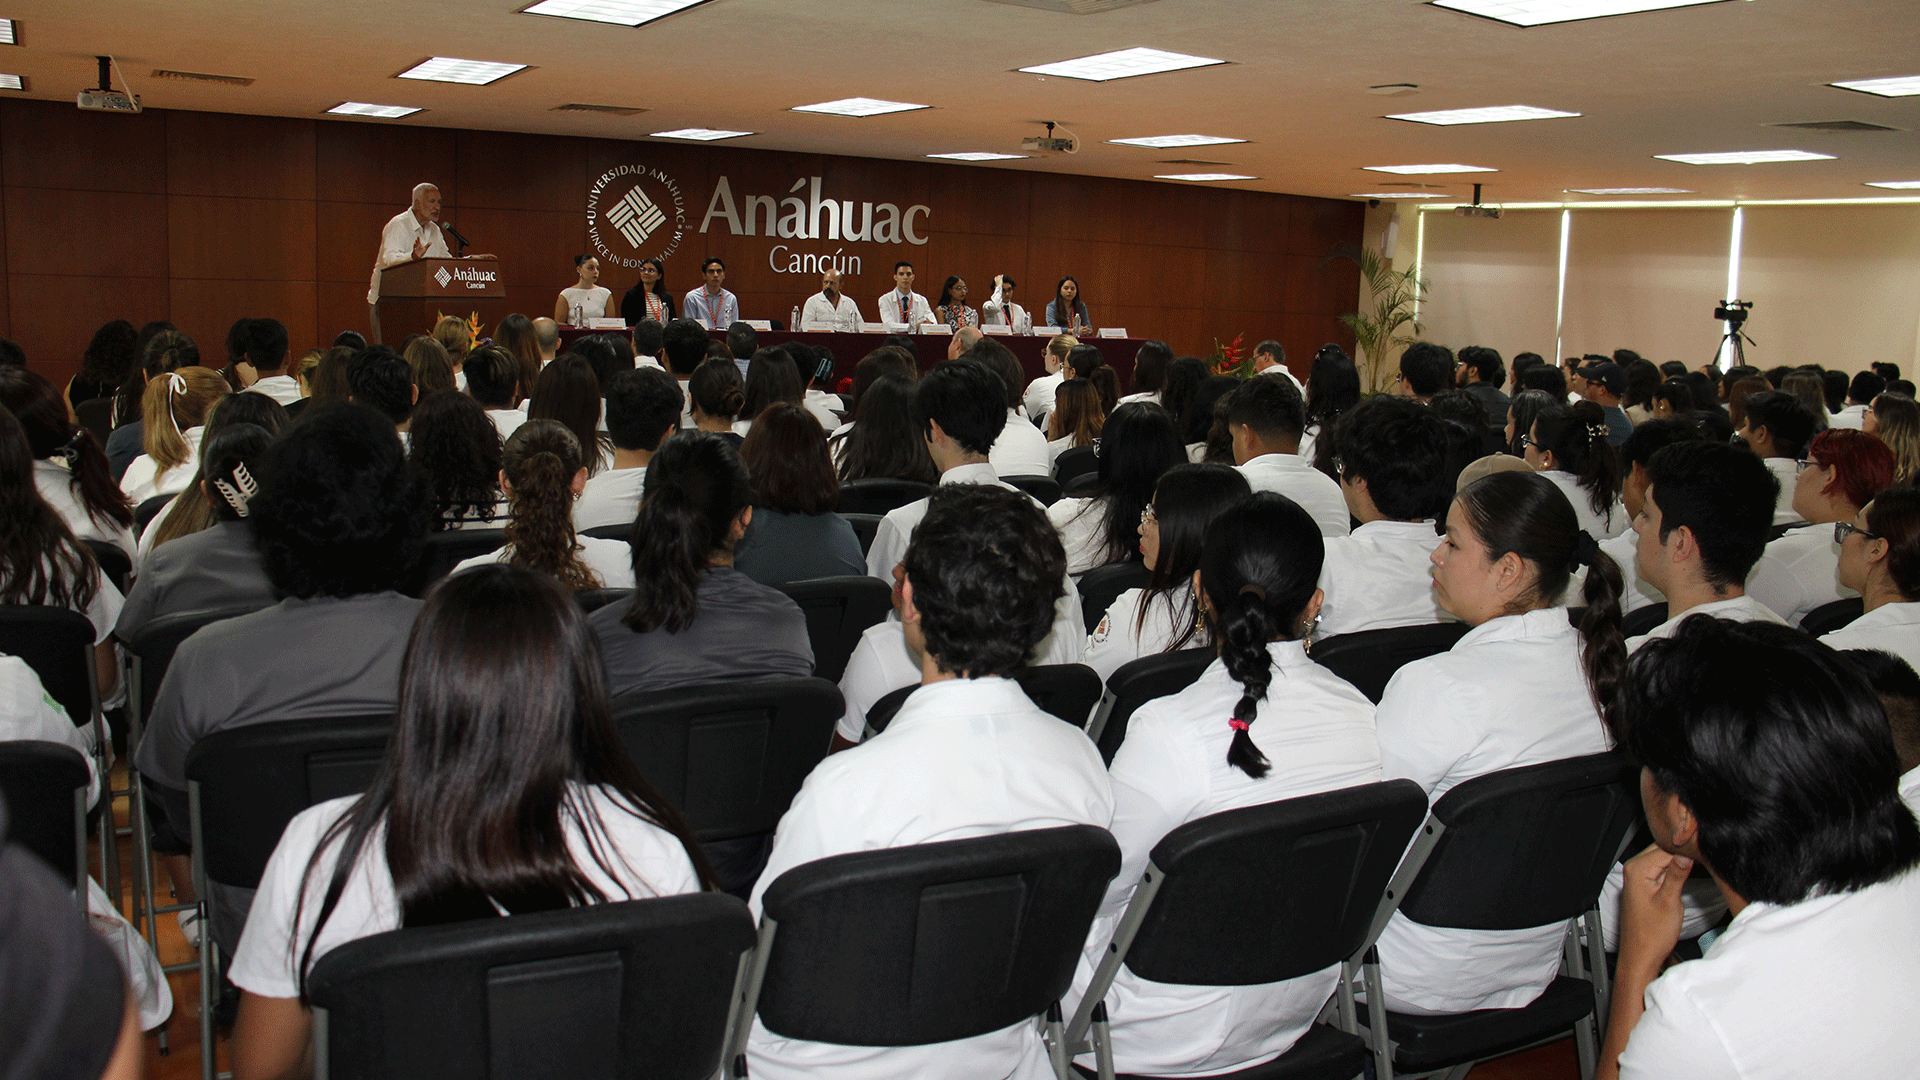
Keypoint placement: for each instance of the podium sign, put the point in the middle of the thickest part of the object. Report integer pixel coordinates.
(414, 293)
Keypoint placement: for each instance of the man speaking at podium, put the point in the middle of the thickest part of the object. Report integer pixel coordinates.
(414, 233)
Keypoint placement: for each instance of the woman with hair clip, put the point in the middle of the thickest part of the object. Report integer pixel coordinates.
(1165, 615)
(1333, 387)
(1137, 446)
(1896, 419)
(649, 299)
(1262, 723)
(1067, 311)
(1880, 559)
(504, 791)
(586, 300)
(455, 451)
(167, 350)
(541, 473)
(952, 308)
(1843, 471)
(192, 510)
(1076, 419)
(1521, 688)
(884, 440)
(1568, 445)
(716, 397)
(694, 618)
(69, 468)
(173, 417)
(217, 566)
(1085, 362)
(568, 392)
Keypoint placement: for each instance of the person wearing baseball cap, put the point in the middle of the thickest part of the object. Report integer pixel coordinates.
(1604, 383)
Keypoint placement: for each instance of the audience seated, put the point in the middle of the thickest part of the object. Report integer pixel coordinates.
(502, 681)
(1392, 456)
(1184, 378)
(192, 509)
(1426, 369)
(1204, 412)
(887, 442)
(1137, 446)
(69, 467)
(568, 393)
(493, 379)
(1843, 471)
(110, 357)
(1075, 419)
(1521, 413)
(1265, 418)
(1777, 427)
(542, 472)
(1702, 526)
(1880, 559)
(1648, 439)
(643, 409)
(1569, 446)
(969, 754)
(454, 454)
(1149, 371)
(1521, 688)
(1039, 397)
(794, 534)
(1021, 449)
(1085, 362)
(432, 369)
(1861, 390)
(1333, 387)
(379, 378)
(716, 396)
(173, 411)
(1896, 420)
(693, 617)
(167, 350)
(772, 379)
(1165, 616)
(455, 336)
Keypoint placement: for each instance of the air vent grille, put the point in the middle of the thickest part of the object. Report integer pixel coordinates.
(1838, 125)
(1075, 7)
(612, 110)
(198, 76)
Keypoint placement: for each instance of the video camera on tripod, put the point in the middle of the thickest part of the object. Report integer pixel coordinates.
(1734, 313)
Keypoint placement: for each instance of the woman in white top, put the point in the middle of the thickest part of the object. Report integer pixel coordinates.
(1521, 688)
(1880, 558)
(542, 472)
(504, 788)
(173, 413)
(1076, 420)
(1164, 616)
(1843, 470)
(1568, 445)
(586, 300)
(1261, 724)
(69, 467)
(1137, 445)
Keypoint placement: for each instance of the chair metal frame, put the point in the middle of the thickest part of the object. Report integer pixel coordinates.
(51, 753)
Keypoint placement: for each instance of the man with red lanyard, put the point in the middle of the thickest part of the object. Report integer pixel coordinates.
(903, 305)
(712, 305)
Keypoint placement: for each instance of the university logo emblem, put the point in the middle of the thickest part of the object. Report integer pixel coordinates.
(635, 213)
(442, 277)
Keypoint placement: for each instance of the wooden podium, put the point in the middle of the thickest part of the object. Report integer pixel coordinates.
(414, 294)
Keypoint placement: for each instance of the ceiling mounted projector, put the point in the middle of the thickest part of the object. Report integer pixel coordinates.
(1047, 144)
(1477, 210)
(104, 98)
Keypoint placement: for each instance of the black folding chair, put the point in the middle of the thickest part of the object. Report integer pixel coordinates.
(96, 415)
(45, 788)
(1512, 850)
(640, 988)
(1075, 463)
(1102, 585)
(1259, 895)
(622, 531)
(115, 564)
(243, 786)
(1642, 620)
(865, 526)
(926, 944)
(1137, 682)
(442, 551)
(838, 611)
(1832, 615)
(1044, 488)
(591, 600)
(1066, 691)
(1369, 658)
(879, 494)
(149, 509)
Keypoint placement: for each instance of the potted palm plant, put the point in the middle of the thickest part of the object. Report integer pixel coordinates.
(1388, 323)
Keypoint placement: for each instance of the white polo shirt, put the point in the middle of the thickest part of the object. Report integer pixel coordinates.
(1021, 449)
(1893, 628)
(1787, 471)
(1799, 572)
(1315, 491)
(1379, 577)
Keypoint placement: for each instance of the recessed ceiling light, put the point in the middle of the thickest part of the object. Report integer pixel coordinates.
(1423, 170)
(1899, 86)
(1122, 64)
(976, 155)
(1745, 157)
(7, 35)
(1198, 177)
(618, 12)
(1395, 195)
(1896, 185)
(469, 72)
(699, 134)
(12, 82)
(1163, 142)
(1494, 114)
(1631, 191)
(361, 108)
(858, 106)
(1542, 12)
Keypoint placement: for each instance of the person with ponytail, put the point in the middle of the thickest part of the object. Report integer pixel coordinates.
(504, 791)
(1568, 445)
(173, 413)
(1522, 687)
(194, 509)
(542, 471)
(1262, 723)
(1085, 362)
(716, 396)
(164, 351)
(693, 617)
(69, 467)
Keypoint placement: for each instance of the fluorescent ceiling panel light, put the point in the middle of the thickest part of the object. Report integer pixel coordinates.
(1493, 114)
(361, 108)
(618, 12)
(976, 155)
(1896, 185)
(469, 72)
(1745, 157)
(1198, 177)
(858, 106)
(1122, 64)
(1426, 170)
(1164, 142)
(1395, 195)
(1900, 86)
(12, 82)
(1542, 12)
(699, 134)
(7, 36)
(1631, 191)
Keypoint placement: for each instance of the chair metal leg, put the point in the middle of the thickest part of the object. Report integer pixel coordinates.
(1586, 1046)
(1056, 1038)
(1597, 971)
(1102, 1043)
(206, 995)
(145, 922)
(1377, 1037)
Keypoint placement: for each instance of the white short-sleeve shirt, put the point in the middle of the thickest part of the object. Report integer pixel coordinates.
(1893, 628)
(1021, 449)
(611, 560)
(611, 497)
(1315, 491)
(1741, 608)
(1379, 577)
(1798, 572)
(1122, 636)
(1787, 472)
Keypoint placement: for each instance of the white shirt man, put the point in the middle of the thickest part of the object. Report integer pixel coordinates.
(830, 308)
(714, 307)
(1266, 363)
(1290, 475)
(1377, 577)
(903, 305)
(997, 309)
(1850, 418)
(896, 529)
(1021, 449)
(1676, 566)
(284, 389)
(507, 421)
(413, 233)
(1265, 424)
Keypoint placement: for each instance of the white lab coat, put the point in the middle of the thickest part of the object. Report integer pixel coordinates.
(1315, 491)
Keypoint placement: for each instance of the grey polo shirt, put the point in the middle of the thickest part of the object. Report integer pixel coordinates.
(741, 630)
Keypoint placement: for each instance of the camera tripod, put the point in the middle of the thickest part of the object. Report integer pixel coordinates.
(1738, 353)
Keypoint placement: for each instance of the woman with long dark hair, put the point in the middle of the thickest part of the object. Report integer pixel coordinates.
(1183, 380)
(568, 392)
(715, 397)
(1085, 362)
(884, 440)
(1137, 445)
(454, 449)
(795, 535)
(952, 308)
(1333, 387)
(515, 335)
(1569, 447)
(1076, 419)
(542, 471)
(773, 378)
(69, 467)
(194, 508)
(649, 298)
(504, 791)
(111, 356)
(1521, 412)
(1067, 310)
(1262, 723)
(1165, 615)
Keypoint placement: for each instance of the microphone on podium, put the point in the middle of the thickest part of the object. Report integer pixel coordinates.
(464, 243)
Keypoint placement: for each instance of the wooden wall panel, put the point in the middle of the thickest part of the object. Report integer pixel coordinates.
(510, 171)
(338, 306)
(1319, 226)
(51, 144)
(205, 310)
(992, 202)
(245, 239)
(79, 231)
(53, 316)
(1248, 221)
(380, 163)
(267, 157)
(348, 239)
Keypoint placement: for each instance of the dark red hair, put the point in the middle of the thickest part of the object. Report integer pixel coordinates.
(1862, 465)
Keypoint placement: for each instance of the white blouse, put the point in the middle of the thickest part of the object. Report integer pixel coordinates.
(1893, 628)
(591, 302)
(1378, 577)
(1079, 522)
(611, 560)
(144, 478)
(1599, 526)
(56, 486)
(1121, 637)
(1799, 572)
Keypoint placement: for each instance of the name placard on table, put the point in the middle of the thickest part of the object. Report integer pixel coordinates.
(759, 324)
(1113, 331)
(606, 324)
(935, 328)
(997, 329)
(1046, 331)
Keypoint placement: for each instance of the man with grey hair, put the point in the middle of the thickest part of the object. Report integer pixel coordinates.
(546, 335)
(414, 233)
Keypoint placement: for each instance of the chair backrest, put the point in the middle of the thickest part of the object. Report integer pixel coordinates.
(1137, 682)
(594, 599)
(115, 564)
(1044, 488)
(838, 611)
(731, 755)
(149, 509)
(1066, 691)
(154, 644)
(1369, 658)
(96, 415)
(865, 526)
(246, 783)
(1084, 484)
(45, 788)
(879, 494)
(1526, 847)
(442, 551)
(58, 645)
(640, 988)
(1273, 892)
(924, 944)
(622, 531)
(1076, 462)
(1640, 620)
(1832, 615)
(1102, 585)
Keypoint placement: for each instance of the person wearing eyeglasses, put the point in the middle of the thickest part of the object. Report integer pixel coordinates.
(1880, 559)
(1842, 472)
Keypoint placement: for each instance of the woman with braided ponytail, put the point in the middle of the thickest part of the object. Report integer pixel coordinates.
(543, 470)
(1261, 724)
